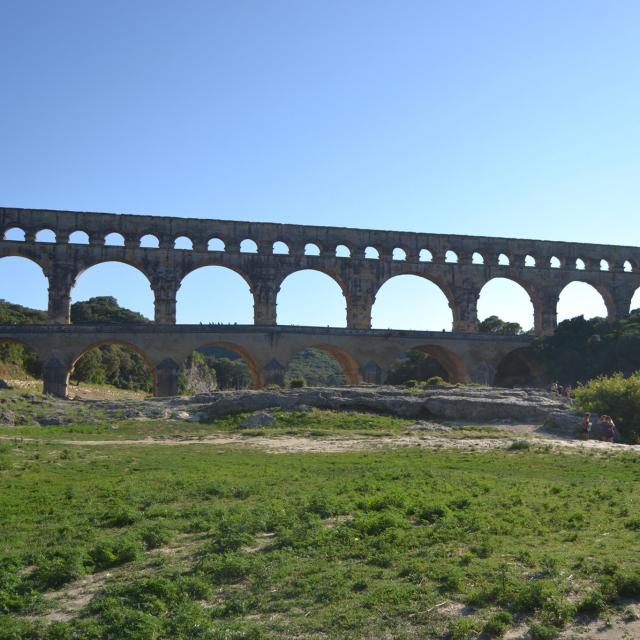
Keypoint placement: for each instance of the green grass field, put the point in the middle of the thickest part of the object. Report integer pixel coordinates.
(208, 541)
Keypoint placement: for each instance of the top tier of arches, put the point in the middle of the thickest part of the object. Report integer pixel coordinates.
(198, 235)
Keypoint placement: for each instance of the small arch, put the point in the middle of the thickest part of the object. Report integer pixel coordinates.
(215, 244)
(280, 248)
(248, 246)
(529, 261)
(503, 260)
(451, 256)
(477, 258)
(583, 299)
(627, 266)
(415, 365)
(399, 254)
(45, 235)
(554, 263)
(103, 362)
(15, 234)
(342, 251)
(149, 241)
(604, 265)
(229, 376)
(114, 239)
(371, 253)
(311, 249)
(79, 237)
(580, 264)
(183, 243)
(425, 256)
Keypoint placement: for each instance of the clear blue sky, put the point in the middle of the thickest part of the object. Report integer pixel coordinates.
(490, 118)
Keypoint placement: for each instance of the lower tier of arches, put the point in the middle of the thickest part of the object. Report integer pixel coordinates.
(266, 354)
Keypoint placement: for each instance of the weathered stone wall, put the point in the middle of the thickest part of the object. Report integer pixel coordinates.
(529, 262)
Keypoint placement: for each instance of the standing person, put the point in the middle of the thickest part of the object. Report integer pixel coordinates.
(610, 429)
(586, 426)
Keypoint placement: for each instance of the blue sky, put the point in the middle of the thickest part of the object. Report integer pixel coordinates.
(490, 118)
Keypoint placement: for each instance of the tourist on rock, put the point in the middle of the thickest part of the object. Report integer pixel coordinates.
(586, 426)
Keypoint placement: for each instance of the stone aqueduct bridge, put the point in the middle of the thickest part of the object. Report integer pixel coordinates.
(459, 265)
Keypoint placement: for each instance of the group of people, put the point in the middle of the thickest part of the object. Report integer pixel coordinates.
(607, 427)
(560, 390)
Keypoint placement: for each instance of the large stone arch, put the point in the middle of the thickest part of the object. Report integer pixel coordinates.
(605, 293)
(73, 359)
(518, 367)
(525, 286)
(30, 278)
(451, 361)
(348, 364)
(243, 352)
(332, 275)
(440, 283)
(84, 266)
(216, 264)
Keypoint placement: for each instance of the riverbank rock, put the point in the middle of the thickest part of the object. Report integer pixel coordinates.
(258, 420)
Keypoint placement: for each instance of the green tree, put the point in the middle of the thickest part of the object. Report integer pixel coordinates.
(495, 325)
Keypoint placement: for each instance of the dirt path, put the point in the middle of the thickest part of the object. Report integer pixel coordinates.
(337, 444)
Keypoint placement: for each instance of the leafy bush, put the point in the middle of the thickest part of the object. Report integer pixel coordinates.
(463, 629)
(543, 632)
(616, 396)
(115, 551)
(436, 381)
(498, 623)
(56, 570)
(297, 383)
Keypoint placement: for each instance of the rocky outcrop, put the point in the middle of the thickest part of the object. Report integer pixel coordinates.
(475, 404)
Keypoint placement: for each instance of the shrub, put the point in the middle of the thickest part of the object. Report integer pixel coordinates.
(430, 513)
(463, 629)
(498, 623)
(297, 383)
(543, 632)
(120, 515)
(436, 381)
(56, 570)
(520, 445)
(412, 384)
(616, 396)
(156, 535)
(115, 551)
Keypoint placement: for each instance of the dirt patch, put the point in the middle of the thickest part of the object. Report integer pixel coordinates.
(338, 444)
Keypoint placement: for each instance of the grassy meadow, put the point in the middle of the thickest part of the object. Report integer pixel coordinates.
(207, 541)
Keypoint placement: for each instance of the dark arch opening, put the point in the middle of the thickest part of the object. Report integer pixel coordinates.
(410, 301)
(416, 365)
(125, 283)
(311, 297)
(517, 369)
(214, 294)
(322, 365)
(218, 365)
(110, 368)
(24, 293)
(20, 365)
(452, 363)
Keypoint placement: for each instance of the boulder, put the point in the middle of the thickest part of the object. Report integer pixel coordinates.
(7, 418)
(258, 420)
